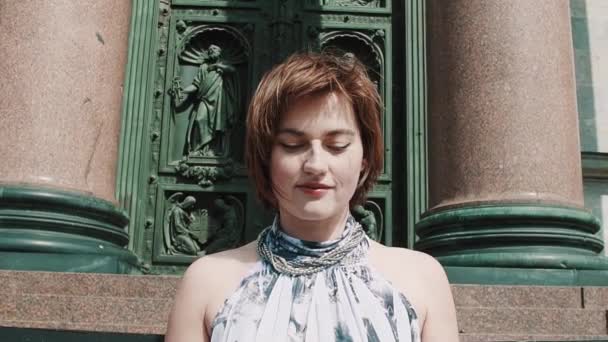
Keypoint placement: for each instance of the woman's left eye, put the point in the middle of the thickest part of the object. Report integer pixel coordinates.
(338, 147)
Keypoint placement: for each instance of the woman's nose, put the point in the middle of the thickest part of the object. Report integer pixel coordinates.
(316, 160)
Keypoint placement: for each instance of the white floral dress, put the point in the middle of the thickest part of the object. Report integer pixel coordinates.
(349, 301)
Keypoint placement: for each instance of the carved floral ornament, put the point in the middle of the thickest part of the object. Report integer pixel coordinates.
(205, 175)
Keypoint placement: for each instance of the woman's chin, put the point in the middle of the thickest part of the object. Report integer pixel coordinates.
(318, 212)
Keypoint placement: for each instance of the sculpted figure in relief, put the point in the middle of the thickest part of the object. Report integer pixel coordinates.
(226, 234)
(215, 95)
(180, 238)
(368, 221)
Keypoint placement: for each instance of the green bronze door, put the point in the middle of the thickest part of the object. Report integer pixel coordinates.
(183, 179)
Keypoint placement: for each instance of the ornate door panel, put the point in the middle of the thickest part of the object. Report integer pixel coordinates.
(210, 56)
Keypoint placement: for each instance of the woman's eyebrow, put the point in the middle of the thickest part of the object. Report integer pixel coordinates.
(349, 132)
(296, 132)
(291, 131)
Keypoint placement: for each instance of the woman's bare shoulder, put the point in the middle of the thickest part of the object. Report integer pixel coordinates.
(407, 261)
(236, 257)
(206, 283)
(413, 273)
(422, 279)
(221, 268)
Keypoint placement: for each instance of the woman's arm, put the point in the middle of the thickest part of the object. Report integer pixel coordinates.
(440, 323)
(186, 321)
(423, 282)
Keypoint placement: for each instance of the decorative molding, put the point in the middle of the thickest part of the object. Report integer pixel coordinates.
(137, 104)
(416, 111)
(556, 278)
(218, 3)
(353, 3)
(219, 14)
(354, 19)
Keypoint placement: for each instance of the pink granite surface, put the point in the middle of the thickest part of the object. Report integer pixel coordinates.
(90, 302)
(62, 72)
(8, 300)
(503, 122)
(595, 297)
(518, 296)
(84, 284)
(141, 304)
(532, 321)
(503, 338)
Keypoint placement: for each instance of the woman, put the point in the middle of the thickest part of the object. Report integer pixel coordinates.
(314, 149)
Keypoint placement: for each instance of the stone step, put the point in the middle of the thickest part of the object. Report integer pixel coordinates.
(517, 296)
(532, 321)
(529, 338)
(100, 285)
(530, 296)
(88, 284)
(141, 304)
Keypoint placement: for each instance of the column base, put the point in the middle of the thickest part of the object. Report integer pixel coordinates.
(50, 230)
(506, 242)
(526, 276)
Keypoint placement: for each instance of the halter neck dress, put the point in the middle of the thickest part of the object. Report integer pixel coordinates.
(348, 301)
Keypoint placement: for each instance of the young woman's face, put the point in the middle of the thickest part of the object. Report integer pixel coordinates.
(316, 159)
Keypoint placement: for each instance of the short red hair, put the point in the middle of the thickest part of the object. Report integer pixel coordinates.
(306, 74)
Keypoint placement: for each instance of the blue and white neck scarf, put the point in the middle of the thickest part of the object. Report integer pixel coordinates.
(346, 302)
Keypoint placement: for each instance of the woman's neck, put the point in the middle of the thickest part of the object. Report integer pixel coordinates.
(313, 230)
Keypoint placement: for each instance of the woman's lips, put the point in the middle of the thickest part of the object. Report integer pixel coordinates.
(315, 190)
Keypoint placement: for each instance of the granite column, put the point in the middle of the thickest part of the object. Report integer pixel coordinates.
(505, 184)
(62, 71)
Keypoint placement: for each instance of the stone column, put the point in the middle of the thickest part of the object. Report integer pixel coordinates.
(505, 184)
(62, 70)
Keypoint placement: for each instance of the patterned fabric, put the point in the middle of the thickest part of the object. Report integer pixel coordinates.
(345, 302)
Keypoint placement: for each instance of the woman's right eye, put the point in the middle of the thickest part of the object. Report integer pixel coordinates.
(291, 147)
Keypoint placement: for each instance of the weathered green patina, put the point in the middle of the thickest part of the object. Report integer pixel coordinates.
(192, 68)
(516, 244)
(50, 230)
